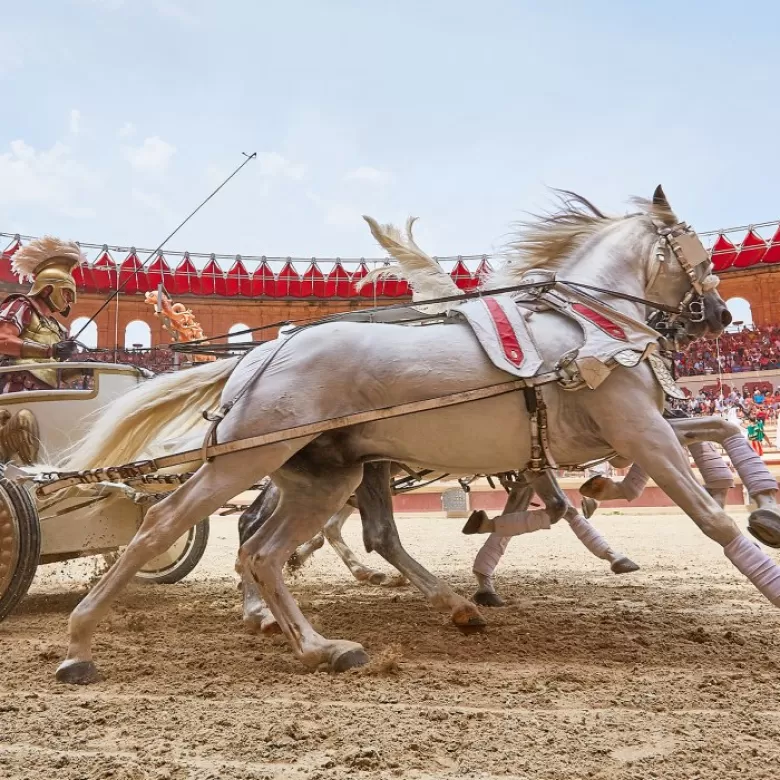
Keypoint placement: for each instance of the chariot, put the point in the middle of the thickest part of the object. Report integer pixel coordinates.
(37, 427)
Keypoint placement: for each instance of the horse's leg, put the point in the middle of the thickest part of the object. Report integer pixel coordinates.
(200, 496)
(494, 548)
(257, 616)
(301, 512)
(360, 571)
(658, 451)
(764, 522)
(305, 551)
(519, 522)
(380, 534)
(523, 521)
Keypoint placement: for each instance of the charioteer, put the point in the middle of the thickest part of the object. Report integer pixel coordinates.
(30, 334)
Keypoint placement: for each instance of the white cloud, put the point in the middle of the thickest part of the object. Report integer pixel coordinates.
(274, 164)
(152, 156)
(126, 131)
(50, 177)
(75, 121)
(368, 174)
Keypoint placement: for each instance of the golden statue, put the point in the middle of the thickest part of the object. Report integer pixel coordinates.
(179, 321)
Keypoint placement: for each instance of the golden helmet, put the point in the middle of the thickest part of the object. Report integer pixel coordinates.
(49, 262)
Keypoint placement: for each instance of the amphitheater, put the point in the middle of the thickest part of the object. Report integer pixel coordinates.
(671, 672)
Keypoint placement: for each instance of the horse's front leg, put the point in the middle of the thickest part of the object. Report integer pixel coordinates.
(764, 522)
(653, 444)
(360, 571)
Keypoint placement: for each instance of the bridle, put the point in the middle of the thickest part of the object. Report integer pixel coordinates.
(685, 246)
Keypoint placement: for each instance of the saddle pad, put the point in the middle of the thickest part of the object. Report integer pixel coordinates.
(502, 331)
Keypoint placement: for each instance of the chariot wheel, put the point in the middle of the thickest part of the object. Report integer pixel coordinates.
(179, 559)
(20, 544)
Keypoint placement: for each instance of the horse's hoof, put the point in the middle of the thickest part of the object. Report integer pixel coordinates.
(475, 521)
(486, 598)
(764, 524)
(377, 578)
(589, 506)
(349, 659)
(624, 566)
(78, 673)
(592, 487)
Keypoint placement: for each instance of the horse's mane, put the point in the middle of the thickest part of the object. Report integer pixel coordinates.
(549, 239)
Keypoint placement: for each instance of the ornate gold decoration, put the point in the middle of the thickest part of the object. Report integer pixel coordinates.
(20, 436)
(179, 321)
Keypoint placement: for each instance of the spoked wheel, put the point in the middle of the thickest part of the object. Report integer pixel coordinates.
(179, 559)
(20, 544)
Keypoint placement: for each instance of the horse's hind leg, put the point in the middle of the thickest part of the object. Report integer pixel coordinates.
(200, 496)
(301, 512)
(380, 534)
(257, 616)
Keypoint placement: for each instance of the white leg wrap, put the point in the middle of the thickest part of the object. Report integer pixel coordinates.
(752, 471)
(756, 565)
(591, 538)
(490, 554)
(634, 483)
(517, 523)
(714, 471)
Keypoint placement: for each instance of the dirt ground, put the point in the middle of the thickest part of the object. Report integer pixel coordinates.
(672, 672)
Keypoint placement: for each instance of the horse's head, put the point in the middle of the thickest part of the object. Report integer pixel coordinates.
(680, 274)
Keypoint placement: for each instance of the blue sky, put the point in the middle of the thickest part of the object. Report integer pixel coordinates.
(118, 117)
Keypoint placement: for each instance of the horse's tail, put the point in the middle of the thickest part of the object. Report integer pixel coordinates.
(425, 276)
(167, 406)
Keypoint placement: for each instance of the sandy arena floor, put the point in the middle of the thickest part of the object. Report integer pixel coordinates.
(668, 673)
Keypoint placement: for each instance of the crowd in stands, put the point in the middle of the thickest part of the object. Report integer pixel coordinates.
(756, 349)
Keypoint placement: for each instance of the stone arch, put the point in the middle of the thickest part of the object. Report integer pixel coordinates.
(138, 335)
(90, 335)
(741, 311)
(236, 337)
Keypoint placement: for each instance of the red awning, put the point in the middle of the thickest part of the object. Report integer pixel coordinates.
(723, 254)
(751, 250)
(132, 276)
(185, 278)
(463, 277)
(238, 281)
(339, 283)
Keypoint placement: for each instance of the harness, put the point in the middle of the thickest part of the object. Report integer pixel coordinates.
(679, 239)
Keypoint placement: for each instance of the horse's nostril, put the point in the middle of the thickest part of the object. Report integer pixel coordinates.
(725, 318)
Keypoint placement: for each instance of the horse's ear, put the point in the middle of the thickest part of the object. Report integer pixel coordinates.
(659, 198)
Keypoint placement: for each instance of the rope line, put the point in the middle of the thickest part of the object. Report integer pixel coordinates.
(120, 287)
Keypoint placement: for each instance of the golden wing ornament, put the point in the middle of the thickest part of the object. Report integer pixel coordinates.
(20, 436)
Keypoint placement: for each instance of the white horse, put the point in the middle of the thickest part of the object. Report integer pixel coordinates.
(336, 369)
(428, 280)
